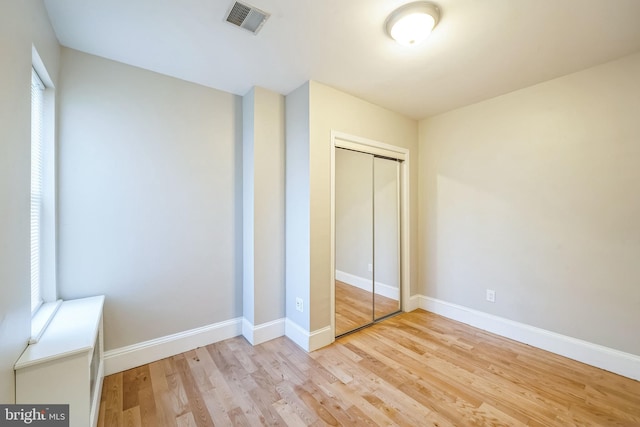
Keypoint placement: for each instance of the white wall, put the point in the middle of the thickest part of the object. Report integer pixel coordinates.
(150, 205)
(22, 23)
(536, 194)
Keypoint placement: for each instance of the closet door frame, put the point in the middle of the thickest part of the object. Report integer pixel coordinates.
(352, 142)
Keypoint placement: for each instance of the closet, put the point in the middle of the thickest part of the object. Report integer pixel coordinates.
(367, 238)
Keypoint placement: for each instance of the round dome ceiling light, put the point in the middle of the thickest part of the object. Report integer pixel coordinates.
(412, 23)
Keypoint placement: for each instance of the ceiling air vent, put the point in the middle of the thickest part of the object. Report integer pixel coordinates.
(247, 17)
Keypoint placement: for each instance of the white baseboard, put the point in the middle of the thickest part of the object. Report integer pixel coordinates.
(365, 284)
(321, 338)
(413, 303)
(297, 334)
(123, 358)
(263, 332)
(308, 341)
(606, 358)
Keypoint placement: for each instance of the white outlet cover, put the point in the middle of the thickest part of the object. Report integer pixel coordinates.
(491, 295)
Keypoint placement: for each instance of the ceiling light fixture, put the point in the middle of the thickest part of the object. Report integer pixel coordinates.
(412, 23)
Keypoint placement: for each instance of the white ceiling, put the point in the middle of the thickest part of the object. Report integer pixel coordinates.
(480, 48)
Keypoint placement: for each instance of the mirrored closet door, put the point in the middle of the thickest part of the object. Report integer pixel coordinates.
(367, 226)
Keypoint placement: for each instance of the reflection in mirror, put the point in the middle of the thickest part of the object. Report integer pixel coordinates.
(387, 237)
(354, 240)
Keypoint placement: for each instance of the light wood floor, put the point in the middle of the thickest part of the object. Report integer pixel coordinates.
(415, 369)
(354, 307)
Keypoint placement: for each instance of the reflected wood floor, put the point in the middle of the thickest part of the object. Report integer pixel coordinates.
(354, 307)
(415, 369)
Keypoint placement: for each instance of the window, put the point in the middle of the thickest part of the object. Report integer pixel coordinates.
(43, 200)
(37, 134)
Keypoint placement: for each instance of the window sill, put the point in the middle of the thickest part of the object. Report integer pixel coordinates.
(42, 318)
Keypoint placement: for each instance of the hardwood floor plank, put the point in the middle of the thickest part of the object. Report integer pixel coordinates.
(131, 417)
(160, 394)
(199, 368)
(101, 413)
(415, 369)
(238, 381)
(177, 396)
(289, 393)
(133, 381)
(316, 406)
(198, 407)
(130, 389)
(238, 418)
(186, 420)
(112, 389)
(355, 397)
(243, 354)
(222, 393)
(149, 415)
(361, 419)
(288, 414)
(263, 401)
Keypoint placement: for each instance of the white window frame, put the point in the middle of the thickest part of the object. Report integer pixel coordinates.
(46, 262)
(37, 133)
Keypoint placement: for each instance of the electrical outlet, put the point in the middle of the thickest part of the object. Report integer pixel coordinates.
(299, 304)
(370, 268)
(491, 295)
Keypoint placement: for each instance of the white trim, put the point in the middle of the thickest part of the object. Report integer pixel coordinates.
(357, 143)
(42, 318)
(296, 333)
(606, 358)
(72, 331)
(95, 405)
(354, 146)
(321, 338)
(332, 235)
(308, 341)
(123, 358)
(263, 332)
(365, 284)
(48, 251)
(405, 232)
(413, 303)
(247, 330)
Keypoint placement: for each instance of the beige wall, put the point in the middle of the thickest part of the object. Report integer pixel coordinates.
(22, 24)
(150, 205)
(331, 109)
(536, 194)
(263, 206)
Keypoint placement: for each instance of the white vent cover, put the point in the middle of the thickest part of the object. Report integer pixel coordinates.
(247, 17)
